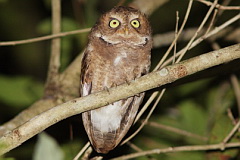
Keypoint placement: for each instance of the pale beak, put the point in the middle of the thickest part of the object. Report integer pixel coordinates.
(126, 31)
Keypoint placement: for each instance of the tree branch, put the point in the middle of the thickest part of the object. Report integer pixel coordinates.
(43, 38)
(178, 149)
(54, 65)
(221, 7)
(220, 146)
(155, 79)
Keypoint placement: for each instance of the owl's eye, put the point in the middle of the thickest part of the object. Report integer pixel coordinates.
(135, 23)
(114, 23)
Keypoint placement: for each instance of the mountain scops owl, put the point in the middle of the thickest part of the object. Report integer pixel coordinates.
(118, 51)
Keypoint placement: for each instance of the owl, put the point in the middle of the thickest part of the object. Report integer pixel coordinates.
(118, 51)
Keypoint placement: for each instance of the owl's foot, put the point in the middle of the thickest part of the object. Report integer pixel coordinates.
(128, 82)
(106, 89)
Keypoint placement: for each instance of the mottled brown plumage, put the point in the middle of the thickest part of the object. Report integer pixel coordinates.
(118, 51)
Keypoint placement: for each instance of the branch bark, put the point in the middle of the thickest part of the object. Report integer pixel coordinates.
(155, 79)
(54, 65)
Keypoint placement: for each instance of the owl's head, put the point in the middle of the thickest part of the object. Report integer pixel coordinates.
(123, 25)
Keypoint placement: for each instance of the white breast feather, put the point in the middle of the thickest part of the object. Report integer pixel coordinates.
(119, 58)
(108, 118)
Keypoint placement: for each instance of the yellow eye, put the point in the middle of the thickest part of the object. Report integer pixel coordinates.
(135, 23)
(114, 23)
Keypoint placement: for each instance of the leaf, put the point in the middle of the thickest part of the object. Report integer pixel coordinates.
(47, 149)
(19, 91)
(44, 27)
(193, 118)
(220, 130)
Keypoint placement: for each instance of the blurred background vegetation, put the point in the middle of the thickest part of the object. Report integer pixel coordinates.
(198, 104)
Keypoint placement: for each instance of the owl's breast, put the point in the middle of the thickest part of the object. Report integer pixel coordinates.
(111, 65)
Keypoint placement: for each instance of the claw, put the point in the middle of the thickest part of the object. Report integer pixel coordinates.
(138, 95)
(128, 82)
(106, 89)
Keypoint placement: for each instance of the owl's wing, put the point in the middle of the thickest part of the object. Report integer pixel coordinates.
(107, 125)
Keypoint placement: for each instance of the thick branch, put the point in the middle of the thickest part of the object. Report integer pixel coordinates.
(152, 80)
(54, 65)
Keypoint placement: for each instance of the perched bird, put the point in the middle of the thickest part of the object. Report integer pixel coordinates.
(118, 51)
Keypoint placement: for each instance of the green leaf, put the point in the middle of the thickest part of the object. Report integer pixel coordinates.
(220, 130)
(44, 27)
(47, 149)
(19, 91)
(193, 118)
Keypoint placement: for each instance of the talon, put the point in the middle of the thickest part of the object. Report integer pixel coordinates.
(138, 95)
(128, 82)
(114, 85)
(106, 89)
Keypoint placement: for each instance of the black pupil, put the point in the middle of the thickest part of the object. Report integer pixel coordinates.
(135, 23)
(114, 22)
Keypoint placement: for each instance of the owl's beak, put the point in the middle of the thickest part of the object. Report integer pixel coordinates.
(126, 31)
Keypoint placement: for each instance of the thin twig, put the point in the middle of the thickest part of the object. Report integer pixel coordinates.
(175, 40)
(200, 39)
(133, 146)
(176, 33)
(179, 149)
(221, 7)
(212, 21)
(146, 119)
(149, 101)
(220, 146)
(87, 153)
(230, 116)
(136, 148)
(82, 151)
(236, 89)
(177, 131)
(224, 3)
(43, 38)
(233, 131)
(198, 30)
